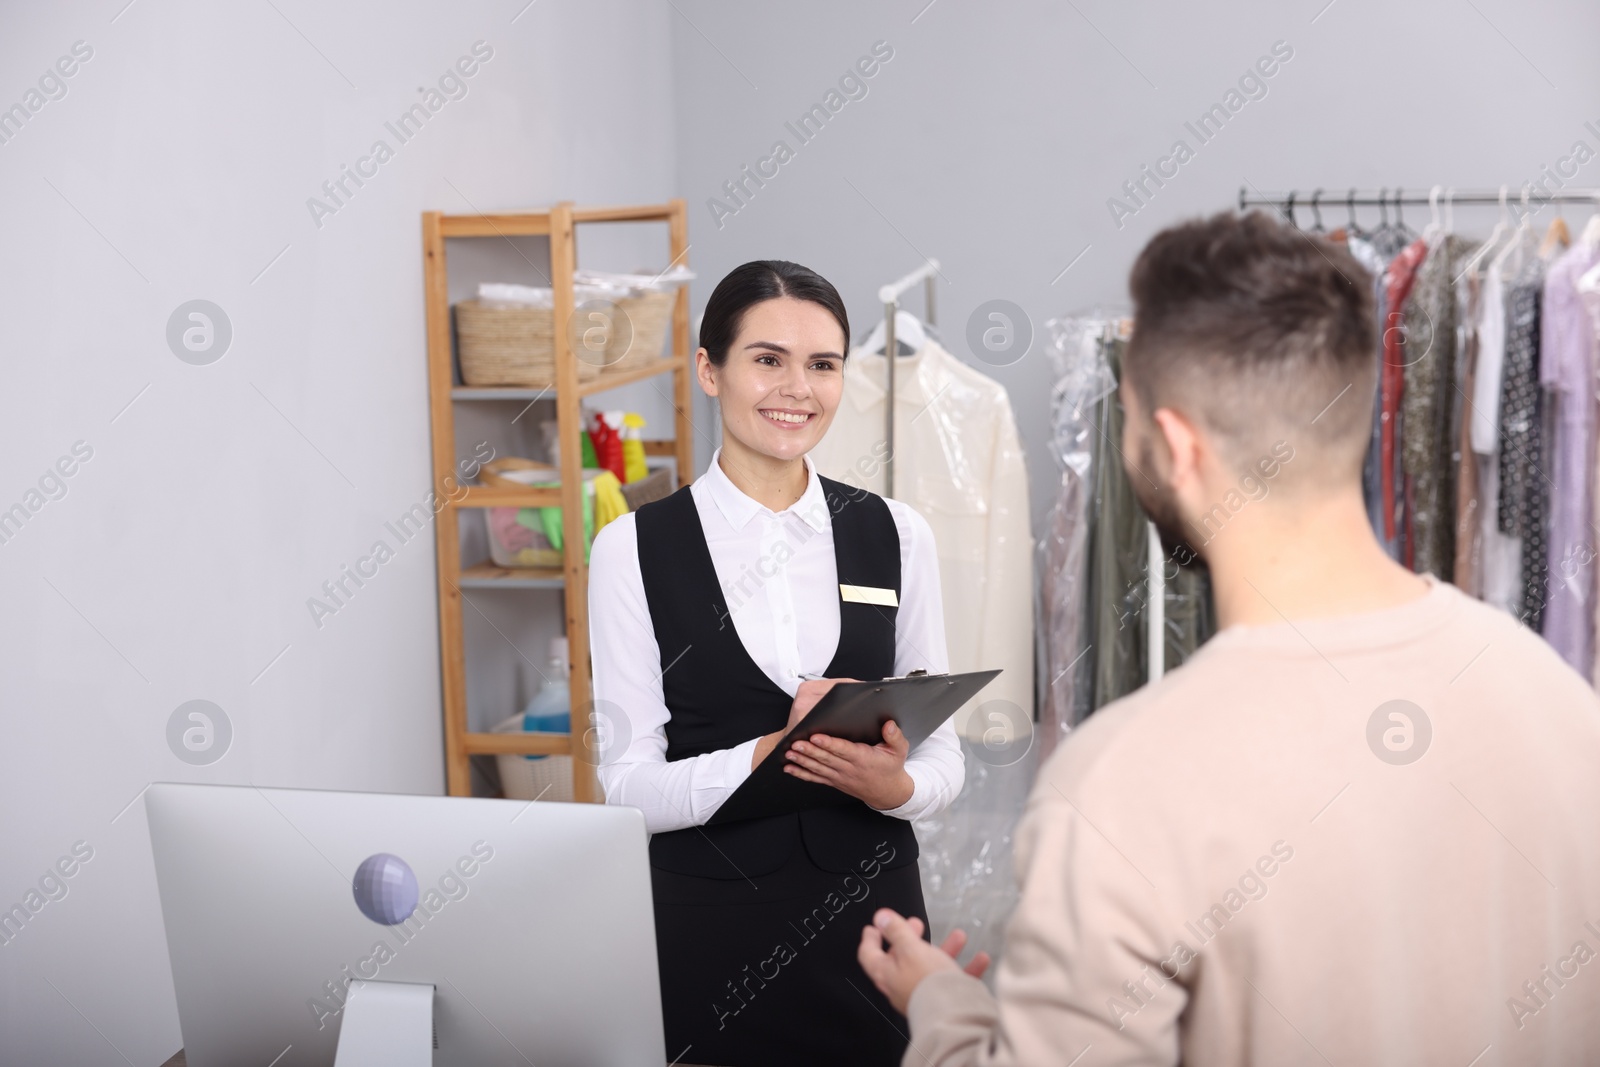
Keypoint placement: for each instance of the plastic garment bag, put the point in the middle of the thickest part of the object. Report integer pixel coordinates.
(1118, 554)
(968, 873)
(1084, 383)
(1094, 556)
(958, 461)
(1093, 596)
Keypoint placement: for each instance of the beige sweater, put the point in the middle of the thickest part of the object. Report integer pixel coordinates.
(1238, 865)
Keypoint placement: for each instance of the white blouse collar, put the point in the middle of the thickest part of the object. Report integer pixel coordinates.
(739, 509)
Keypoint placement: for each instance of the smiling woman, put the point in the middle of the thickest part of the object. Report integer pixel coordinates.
(764, 541)
(772, 352)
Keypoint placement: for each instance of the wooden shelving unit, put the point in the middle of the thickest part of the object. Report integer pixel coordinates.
(559, 223)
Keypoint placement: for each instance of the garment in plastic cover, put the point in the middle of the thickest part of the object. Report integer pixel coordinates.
(1083, 390)
(1094, 556)
(1094, 584)
(968, 876)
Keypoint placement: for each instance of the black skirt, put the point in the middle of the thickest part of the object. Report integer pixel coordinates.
(762, 972)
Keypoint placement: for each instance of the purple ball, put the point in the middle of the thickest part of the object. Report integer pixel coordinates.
(385, 889)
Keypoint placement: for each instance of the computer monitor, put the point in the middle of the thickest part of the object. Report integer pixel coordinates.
(532, 922)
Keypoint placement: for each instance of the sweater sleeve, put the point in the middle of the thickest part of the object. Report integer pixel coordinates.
(1081, 967)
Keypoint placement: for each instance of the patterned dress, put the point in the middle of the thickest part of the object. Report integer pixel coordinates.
(1428, 409)
(1524, 488)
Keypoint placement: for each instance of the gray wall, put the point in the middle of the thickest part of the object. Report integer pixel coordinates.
(179, 562)
(994, 138)
(218, 498)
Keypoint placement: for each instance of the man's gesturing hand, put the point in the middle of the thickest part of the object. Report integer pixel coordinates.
(909, 959)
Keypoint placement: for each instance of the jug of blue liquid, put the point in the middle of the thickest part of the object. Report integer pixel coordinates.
(550, 711)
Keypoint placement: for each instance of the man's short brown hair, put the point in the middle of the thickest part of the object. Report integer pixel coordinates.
(1260, 332)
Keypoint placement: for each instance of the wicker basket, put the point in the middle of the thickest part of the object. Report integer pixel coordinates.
(532, 777)
(656, 485)
(648, 315)
(510, 346)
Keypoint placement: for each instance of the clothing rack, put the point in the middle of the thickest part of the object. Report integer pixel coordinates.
(890, 296)
(1433, 519)
(1529, 193)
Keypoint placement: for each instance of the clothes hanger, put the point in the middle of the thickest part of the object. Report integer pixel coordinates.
(1450, 211)
(1435, 228)
(1591, 232)
(1400, 215)
(1557, 238)
(1495, 234)
(1316, 213)
(1292, 221)
(1590, 282)
(1350, 208)
(910, 335)
(1519, 244)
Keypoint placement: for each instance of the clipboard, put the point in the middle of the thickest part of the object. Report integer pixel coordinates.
(854, 711)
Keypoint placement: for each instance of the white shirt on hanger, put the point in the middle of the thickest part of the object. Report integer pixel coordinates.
(959, 463)
(780, 579)
(1491, 363)
(1500, 572)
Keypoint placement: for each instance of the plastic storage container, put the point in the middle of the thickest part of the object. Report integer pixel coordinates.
(549, 712)
(512, 541)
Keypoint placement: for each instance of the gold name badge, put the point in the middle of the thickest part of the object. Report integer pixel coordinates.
(866, 594)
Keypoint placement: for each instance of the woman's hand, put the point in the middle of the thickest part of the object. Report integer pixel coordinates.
(875, 774)
(805, 698)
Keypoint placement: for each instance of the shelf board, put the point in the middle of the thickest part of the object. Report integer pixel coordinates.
(606, 380)
(537, 223)
(518, 744)
(494, 496)
(500, 224)
(613, 379)
(640, 213)
(487, 575)
(500, 392)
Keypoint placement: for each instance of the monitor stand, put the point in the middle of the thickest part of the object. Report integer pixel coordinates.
(386, 1024)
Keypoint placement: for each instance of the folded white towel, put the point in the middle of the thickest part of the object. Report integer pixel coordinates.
(668, 279)
(502, 293)
(505, 294)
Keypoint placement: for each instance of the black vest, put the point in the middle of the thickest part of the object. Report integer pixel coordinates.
(720, 698)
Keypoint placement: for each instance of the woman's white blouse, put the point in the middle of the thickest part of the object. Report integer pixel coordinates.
(781, 584)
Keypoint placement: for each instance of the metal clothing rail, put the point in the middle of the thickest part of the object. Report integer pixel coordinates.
(1527, 194)
(890, 295)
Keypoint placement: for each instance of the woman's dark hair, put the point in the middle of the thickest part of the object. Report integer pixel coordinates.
(756, 281)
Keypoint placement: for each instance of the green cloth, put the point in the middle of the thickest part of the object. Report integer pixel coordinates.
(550, 520)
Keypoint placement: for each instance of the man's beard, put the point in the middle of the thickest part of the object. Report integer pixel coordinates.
(1160, 503)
